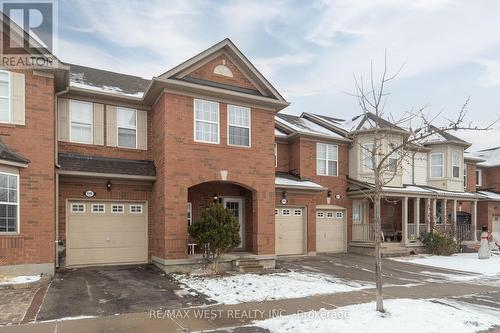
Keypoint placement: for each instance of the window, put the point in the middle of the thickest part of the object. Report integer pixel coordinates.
(356, 212)
(329, 215)
(276, 212)
(117, 208)
(393, 162)
(320, 214)
(81, 121)
(190, 214)
(206, 121)
(455, 164)
(297, 212)
(479, 177)
(9, 202)
(136, 209)
(366, 153)
(465, 175)
(326, 159)
(98, 208)
(437, 165)
(238, 126)
(78, 208)
(4, 97)
(126, 120)
(285, 212)
(339, 215)
(275, 155)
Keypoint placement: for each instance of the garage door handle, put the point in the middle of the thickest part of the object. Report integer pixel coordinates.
(108, 239)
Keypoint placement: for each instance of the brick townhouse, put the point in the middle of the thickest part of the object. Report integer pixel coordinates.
(104, 168)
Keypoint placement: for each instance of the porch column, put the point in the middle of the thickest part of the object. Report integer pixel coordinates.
(454, 215)
(428, 214)
(474, 221)
(444, 212)
(433, 212)
(404, 213)
(416, 216)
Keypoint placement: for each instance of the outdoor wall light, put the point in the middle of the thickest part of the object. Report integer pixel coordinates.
(216, 197)
(284, 200)
(108, 185)
(329, 194)
(285, 194)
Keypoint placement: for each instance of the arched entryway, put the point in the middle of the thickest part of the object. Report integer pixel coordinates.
(238, 198)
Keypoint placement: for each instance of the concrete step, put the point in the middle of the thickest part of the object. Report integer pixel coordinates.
(251, 268)
(245, 262)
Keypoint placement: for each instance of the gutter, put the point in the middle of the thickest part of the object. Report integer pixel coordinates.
(105, 175)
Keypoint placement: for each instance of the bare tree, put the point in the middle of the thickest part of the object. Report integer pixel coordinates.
(394, 140)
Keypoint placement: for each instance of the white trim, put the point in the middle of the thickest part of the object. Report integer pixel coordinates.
(289, 212)
(206, 121)
(297, 212)
(320, 214)
(125, 127)
(18, 204)
(442, 166)
(98, 211)
(365, 155)
(141, 210)
(91, 121)
(327, 159)
(73, 204)
(190, 213)
(276, 212)
(241, 217)
(117, 205)
(9, 86)
(479, 176)
(453, 154)
(329, 215)
(249, 127)
(275, 154)
(339, 215)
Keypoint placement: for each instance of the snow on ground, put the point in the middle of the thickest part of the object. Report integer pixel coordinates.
(253, 287)
(19, 279)
(69, 318)
(407, 315)
(467, 262)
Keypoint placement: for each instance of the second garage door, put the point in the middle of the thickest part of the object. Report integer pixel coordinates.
(330, 231)
(104, 233)
(290, 230)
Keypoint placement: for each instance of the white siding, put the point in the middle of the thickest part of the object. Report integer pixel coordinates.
(407, 169)
(420, 168)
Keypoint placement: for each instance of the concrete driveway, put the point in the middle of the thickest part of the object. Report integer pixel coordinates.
(104, 291)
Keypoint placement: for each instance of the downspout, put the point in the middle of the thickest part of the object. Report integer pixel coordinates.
(56, 159)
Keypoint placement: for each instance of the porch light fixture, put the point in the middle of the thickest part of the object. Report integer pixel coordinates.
(284, 200)
(329, 194)
(216, 197)
(108, 185)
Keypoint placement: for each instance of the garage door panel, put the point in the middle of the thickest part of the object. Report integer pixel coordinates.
(290, 232)
(330, 231)
(105, 237)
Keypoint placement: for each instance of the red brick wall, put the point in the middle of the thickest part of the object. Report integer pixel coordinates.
(491, 179)
(187, 163)
(283, 157)
(121, 190)
(206, 72)
(471, 177)
(35, 141)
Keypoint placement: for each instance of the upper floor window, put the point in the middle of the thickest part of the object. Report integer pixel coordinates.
(4, 97)
(393, 162)
(455, 161)
(465, 175)
(479, 177)
(238, 126)
(206, 121)
(356, 211)
(9, 202)
(81, 121)
(127, 127)
(437, 163)
(326, 159)
(367, 158)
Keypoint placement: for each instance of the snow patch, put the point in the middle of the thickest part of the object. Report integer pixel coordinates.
(407, 315)
(69, 318)
(105, 89)
(19, 279)
(252, 287)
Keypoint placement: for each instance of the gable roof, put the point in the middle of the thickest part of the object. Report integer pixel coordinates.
(491, 157)
(106, 81)
(228, 48)
(6, 154)
(303, 126)
(439, 137)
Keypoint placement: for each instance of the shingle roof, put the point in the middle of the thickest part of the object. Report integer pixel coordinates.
(305, 126)
(442, 136)
(106, 81)
(97, 164)
(7, 154)
(491, 157)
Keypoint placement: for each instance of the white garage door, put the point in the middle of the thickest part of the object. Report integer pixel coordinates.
(290, 230)
(100, 233)
(330, 231)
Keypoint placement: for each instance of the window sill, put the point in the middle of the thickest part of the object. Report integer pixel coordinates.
(11, 234)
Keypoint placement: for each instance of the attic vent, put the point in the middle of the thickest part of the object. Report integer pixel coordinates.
(223, 69)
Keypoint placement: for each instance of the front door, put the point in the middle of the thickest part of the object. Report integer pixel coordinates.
(235, 205)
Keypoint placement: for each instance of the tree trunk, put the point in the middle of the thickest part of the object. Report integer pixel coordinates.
(378, 257)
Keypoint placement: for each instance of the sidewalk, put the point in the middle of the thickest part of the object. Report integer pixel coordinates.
(220, 316)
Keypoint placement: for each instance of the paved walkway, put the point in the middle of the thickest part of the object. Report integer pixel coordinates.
(14, 303)
(215, 317)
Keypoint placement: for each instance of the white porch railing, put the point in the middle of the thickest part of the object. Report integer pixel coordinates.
(363, 232)
(464, 232)
(422, 227)
(412, 232)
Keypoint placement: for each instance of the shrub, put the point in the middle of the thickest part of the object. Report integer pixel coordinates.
(439, 243)
(217, 231)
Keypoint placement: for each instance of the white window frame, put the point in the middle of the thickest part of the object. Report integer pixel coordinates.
(118, 108)
(71, 101)
(18, 222)
(297, 212)
(249, 127)
(190, 213)
(393, 160)
(453, 165)
(135, 205)
(320, 214)
(357, 205)
(73, 204)
(329, 215)
(98, 212)
(276, 212)
(465, 175)
(7, 97)
(285, 210)
(366, 154)
(117, 205)
(275, 155)
(442, 166)
(328, 159)
(479, 177)
(339, 215)
(206, 121)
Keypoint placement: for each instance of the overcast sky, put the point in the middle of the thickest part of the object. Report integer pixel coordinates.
(309, 50)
